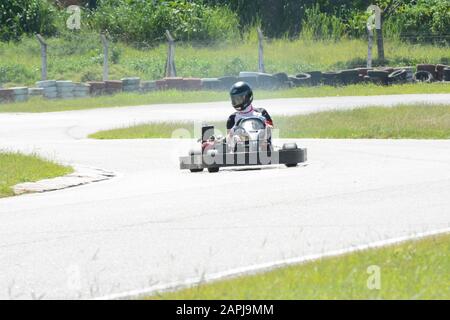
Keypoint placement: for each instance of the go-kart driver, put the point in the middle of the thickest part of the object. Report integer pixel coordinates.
(241, 95)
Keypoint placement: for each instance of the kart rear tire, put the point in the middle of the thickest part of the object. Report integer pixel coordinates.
(291, 165)
(196, 170)
(213, 170)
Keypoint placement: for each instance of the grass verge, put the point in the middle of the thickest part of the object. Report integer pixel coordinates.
(80, 58)
(412, 270)
(17, 168)
(404, 121)
(174, 96)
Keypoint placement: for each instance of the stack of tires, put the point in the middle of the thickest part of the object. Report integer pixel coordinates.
(301, 80)
(96, 88)
(81, 90)
(211, 84)
(330, 78)
(266, 81)
(192, 84)
(147, 86)
(227, 81)
(316, 77)
(20, 94)
(283, 80)
(174, 83)
(378, 76)
(131, 84)
(113, 86)
(6, 95)
(425, 73)
(250, 77)
(446, 74)
(35, 92)
(349, 76)
(49, 88)
(65, 89)
(440, 72)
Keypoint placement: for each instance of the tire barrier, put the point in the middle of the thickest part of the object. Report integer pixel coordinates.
(431, 68)
(251, 80)
(96, 88)
(267, 81)
(446, 74)
(283, 79)
(440, 72)
(49, 87)
(81, 90)
(212, 84)
(398, 76)
(330, 78)
(113, 86)
(161, 84)
(65, 89)
(301, 80)
(131, 84)
(147, 86)
(409, 73)
(362, 72)
(350, 76)
(378, 76)
(193, 84)
(35, 92)
(174, 83)
(20, 94)
(6, 95)
(316, 77)
(423, 76)
(248, 74)
(52, 89)
(228, 81)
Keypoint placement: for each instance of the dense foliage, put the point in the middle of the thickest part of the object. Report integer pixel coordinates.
(423, 20)
(141, 20)
(18, 17)
(145, 21)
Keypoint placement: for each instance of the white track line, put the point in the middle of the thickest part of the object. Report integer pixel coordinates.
(264, 267)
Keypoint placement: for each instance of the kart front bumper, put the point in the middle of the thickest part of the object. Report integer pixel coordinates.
(219, 160)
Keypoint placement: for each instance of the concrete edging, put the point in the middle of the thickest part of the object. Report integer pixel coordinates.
(81, 176)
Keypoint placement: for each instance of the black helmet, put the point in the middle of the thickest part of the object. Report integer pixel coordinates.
(241, 95)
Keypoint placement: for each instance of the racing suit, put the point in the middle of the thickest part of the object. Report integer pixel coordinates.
(247, 113)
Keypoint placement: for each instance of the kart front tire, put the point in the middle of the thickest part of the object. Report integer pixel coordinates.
(291, 165)
(196, 170)
(213, 170)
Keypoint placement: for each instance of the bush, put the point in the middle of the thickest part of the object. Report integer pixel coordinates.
(321, 26)
(143, 21)
(423, 21)
(18, 17)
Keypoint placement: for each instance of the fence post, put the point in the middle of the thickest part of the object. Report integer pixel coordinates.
(374, 22)
(170, 63)
(105, 57)
(380, 41)
(43, 57)
(261, 67)
(369, 50)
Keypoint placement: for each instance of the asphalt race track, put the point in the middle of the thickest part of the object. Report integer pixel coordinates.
(154, 224)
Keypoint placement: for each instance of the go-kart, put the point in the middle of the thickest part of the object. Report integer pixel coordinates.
(249, 143)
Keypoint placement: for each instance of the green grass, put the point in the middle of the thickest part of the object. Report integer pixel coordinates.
(404, 121)
(412, 270)
(81, 59)
(174, 96)
(17, 168)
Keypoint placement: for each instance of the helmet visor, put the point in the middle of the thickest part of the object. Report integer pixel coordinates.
(238, 102)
